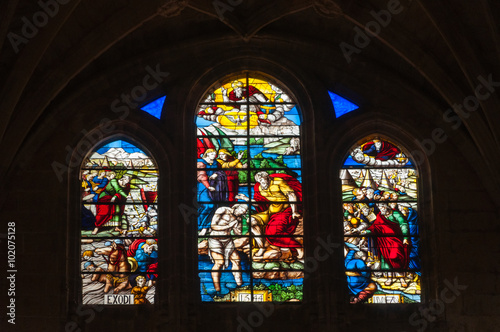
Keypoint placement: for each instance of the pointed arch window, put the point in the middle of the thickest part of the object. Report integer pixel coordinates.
(119, 225)
(381, 236)
(250, 238)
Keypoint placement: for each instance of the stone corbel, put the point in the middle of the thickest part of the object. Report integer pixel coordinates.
(172, 8)
(328, 8)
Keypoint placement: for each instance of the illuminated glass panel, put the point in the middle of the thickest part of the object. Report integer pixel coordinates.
(341, 105)
(249, 193)
(381, 237)
(119, 226)
(154, 108)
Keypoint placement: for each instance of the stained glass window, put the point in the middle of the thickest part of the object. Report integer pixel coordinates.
(341, 105)
(119, 225)
(154, 108)
(249, 193)
(380, 217)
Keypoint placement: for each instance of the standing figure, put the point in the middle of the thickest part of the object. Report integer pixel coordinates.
(388, 229)
(227, 161)
(212, 188)
(115, 192)
(220, 244)
(412, 218)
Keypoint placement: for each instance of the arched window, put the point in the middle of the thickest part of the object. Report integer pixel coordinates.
(381, 237)
(119, 225)
(249, 192)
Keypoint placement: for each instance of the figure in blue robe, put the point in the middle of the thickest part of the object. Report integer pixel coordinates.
(208, 199)
(358, 276)
(412, 219)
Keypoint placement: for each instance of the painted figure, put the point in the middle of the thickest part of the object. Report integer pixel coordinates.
(212, 188)
(145, 253)
(115, 192)
(221, 247)
(118, 267)
(391, 230)
(380, 150)
(412, 218)
(230, 163)
(141, 290)
(280, 216)
(99, 182)
(358, 274)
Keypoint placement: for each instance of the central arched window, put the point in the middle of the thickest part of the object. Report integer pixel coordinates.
(249, 191)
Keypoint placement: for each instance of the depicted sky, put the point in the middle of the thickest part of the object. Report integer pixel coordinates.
(126, 146)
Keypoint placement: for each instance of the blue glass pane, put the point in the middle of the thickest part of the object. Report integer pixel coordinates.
(340, 105)
(154, 107)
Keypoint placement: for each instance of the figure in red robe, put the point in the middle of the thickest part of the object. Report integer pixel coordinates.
(390, 230)
(110, 214)
(280, 216)
(248, 93)
(380, 150)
